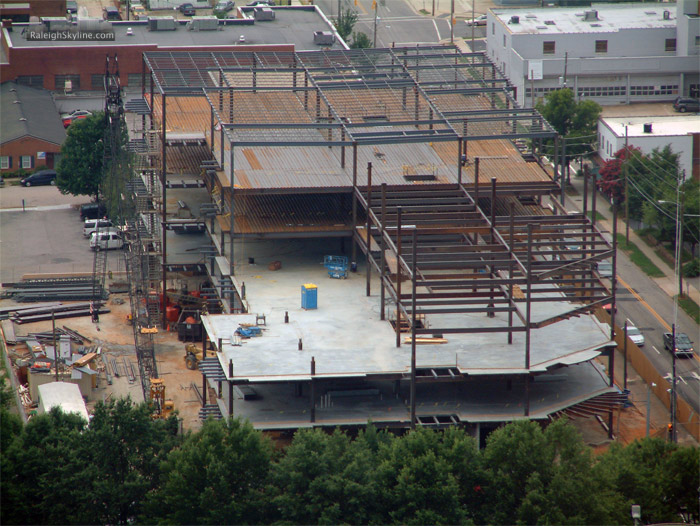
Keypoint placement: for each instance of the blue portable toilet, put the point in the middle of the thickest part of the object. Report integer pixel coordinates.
(309, 296)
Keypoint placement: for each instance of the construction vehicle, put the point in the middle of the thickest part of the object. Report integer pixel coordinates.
(162, 408)
(193, 354)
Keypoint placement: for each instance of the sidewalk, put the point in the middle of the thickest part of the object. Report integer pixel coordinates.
(668, 283)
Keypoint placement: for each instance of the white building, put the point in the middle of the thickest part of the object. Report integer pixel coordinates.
(611, 53)
(64, 395)
(681, 133)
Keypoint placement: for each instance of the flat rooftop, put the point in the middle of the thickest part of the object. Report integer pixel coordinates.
(347, 339)
(292, 25)
(611, 18)
(660, 126)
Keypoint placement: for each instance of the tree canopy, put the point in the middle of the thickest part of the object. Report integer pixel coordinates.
(81, 168)
(125, 467)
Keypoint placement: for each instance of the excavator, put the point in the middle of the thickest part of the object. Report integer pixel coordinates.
(162, 408)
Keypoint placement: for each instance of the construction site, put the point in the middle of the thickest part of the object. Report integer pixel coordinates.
(340, 237)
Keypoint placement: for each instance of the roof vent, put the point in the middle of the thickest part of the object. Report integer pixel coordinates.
(22, 119)
(590, 15)
(515, 19)
(549, 23)
(647, 127)
(667, 15)
(129, 31)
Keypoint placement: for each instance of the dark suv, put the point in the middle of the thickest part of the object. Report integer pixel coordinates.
(684, 347)
(684, 104)
(187, 9)
(92, 211)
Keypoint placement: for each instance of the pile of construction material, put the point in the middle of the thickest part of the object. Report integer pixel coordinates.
(53, 289)
(46, 311)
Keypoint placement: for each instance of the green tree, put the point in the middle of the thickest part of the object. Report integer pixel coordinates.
(661, 477)
(345, 23)
(81, 168)
(215, 477)
(360, 40)
(576, 121)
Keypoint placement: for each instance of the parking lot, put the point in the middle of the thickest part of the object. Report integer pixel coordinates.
(41, 232)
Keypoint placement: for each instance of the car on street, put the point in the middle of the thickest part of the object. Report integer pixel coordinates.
(605, 269)
(187, 9)
(224, 7)
(634, 334)
(42, 177)
(684, 347)
(477, 21)
(138, 12)
(69, 118)
(684, 104)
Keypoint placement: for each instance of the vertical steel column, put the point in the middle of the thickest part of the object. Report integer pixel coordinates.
(585, 215)
(511, 240)
(527, 318)
(613, 278)
(459, 163)
(382, 263)
(230, 221)
(230, 108)
(204, 389)
(143, 77)
(342, 148)
(312, 394)
(594, 194)
(674, 394)
(413, 327)
(611, 365)
(164, 211)
(564, 171)
(368, 272)
(624, 351)
(211, 132)
(220, 92)
(556, 157)
(353, 250)
(492, 314)
(417, 104)
(255, 73)
(398, 276)
(230, 388)
(306, 91)
(476, 182)
(466, 142)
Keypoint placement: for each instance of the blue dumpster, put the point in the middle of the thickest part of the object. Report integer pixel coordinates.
(309, 296)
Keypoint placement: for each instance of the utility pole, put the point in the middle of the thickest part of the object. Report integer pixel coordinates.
(627, 200)
(374, 37)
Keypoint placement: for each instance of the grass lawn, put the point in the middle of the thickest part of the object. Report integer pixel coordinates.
(598, 216)
(690, 307)
(638, 258)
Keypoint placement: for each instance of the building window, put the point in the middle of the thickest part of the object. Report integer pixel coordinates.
(26, 161)
(670, 89)
(35, 81)
(548, 48)
(602, 91)
(61, 81)
(670, 44)
(601, 46)
(4, 162)
(97, 82)
(493, 28)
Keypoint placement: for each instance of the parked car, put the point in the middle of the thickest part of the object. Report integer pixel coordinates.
(187, 9)
(111, 13)
(634, 334)
(39, 178)
(477, 21)
(91, 225)
(69, 118)
(110, 239)
(138, 12)
(256, 3)
(92, 211)
(684, 347)
(224, 7)
(683, 104)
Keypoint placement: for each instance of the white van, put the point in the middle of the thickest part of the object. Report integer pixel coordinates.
(93, 224)
(106, 240)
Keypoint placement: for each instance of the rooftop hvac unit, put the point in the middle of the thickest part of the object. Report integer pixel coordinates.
(94, 25)
(667, 15)
(324, 38)
(647, 127)
(161, 23)
(264, 13)
(203, 23)
(515, 19)
(56, 23)
(590, 15)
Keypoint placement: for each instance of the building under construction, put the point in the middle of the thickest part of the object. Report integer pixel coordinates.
(466, 290)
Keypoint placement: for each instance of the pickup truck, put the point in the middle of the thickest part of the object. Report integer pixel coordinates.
(684, 347)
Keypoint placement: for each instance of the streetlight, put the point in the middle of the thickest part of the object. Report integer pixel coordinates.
(679, 240)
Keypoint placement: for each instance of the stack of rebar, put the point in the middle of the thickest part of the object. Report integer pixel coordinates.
(42, 313)
(56, 289)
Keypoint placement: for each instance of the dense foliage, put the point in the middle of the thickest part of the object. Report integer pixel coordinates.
(126, 468)
(81, 168)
